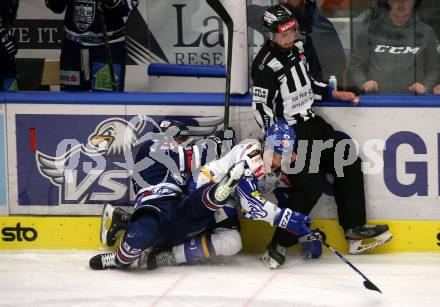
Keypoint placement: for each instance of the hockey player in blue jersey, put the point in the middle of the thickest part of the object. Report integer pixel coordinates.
(199, 212)
(162, 166)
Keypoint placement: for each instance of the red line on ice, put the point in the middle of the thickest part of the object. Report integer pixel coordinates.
(259, 290)
(168, 290)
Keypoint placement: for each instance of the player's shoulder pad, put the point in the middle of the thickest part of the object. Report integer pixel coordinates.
(275, 65)
(268, 62)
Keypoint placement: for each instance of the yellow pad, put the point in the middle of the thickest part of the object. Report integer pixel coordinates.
(51, 232)
(408, 236)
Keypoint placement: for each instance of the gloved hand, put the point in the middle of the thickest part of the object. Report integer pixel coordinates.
(224, 139)
(310, 246)
(293, 221)
(7, 43)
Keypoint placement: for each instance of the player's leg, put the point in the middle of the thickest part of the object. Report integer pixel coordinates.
(72, 66)
(8, 74)
(302, 196)
(207, 199)
(205, 207)
(350, 198)
(150, 225)
(217, 242)
(141, 234)
(310, 248)
(222, 240)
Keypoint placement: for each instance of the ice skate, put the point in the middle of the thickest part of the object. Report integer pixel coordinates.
(274, 256)
(103, 261)
(367, 237)
(228, 183)
(113, 221)
(157, 257)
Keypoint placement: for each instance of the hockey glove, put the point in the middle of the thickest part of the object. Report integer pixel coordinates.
(310, 246)
(293, 221)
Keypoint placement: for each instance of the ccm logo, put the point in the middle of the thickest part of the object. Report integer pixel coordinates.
(396, 50)
(19, 233)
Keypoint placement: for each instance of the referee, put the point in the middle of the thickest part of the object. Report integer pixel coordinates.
(284, 89)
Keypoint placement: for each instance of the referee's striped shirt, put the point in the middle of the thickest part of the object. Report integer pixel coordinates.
(283, 87)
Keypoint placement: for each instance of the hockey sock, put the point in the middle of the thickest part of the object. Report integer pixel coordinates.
(221, 242)
(139, 236)
(194, 250)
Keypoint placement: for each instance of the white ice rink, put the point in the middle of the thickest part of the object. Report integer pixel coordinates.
(50, 278)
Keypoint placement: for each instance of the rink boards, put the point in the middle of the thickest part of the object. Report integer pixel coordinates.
(3, 183)
(402, 187)
(30, 232)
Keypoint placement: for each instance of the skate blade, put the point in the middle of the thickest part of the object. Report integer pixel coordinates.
(106, 221)
(360, 246)
(223, 192)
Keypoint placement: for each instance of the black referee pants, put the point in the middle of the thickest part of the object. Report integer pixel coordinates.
(307, 186)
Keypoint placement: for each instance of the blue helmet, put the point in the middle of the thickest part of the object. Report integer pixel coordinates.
(280, 137)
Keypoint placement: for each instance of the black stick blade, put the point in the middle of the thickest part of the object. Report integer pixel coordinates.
(369, 285)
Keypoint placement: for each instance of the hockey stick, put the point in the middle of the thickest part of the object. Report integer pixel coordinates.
(218, 7)
(367, 283)
(107, 47)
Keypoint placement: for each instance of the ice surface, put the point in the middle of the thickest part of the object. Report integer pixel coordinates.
(48, 278)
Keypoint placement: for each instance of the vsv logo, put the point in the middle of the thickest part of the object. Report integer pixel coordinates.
(99, 169)
(94, 180)
(19, 233)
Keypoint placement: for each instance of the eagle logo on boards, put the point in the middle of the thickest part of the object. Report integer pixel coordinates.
(111, 139)
(98, 171)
